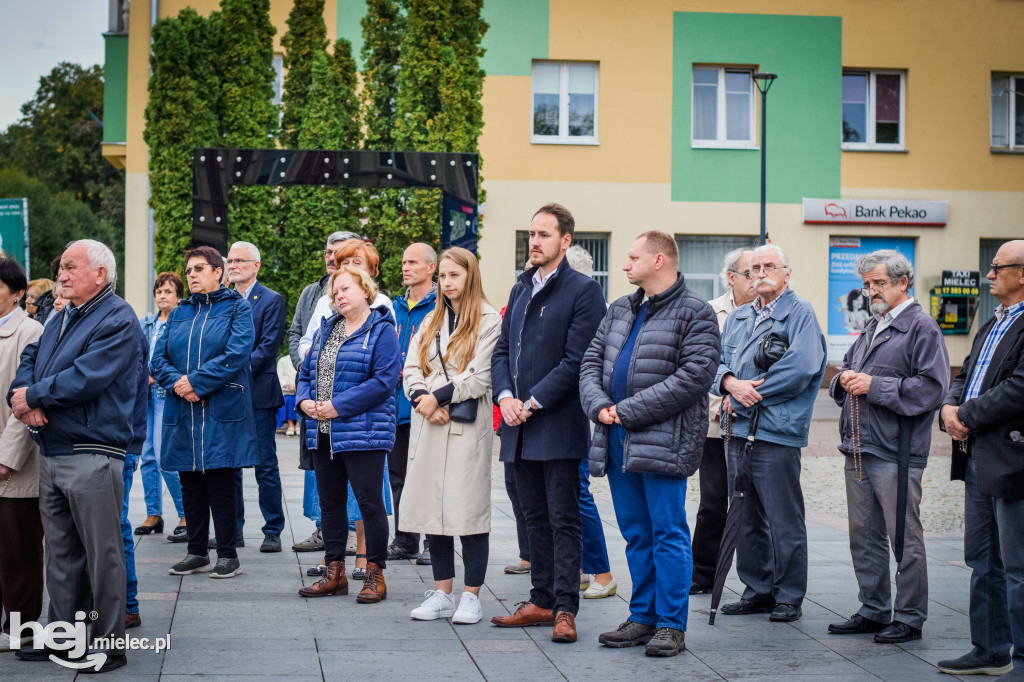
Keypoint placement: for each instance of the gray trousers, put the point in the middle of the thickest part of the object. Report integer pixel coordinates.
(871, 504)
(80, 499)
(771, 551)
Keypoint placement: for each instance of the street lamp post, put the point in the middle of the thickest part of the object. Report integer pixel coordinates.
(764, 83)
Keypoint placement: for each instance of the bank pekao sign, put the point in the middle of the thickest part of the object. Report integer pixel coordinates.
(875, 212)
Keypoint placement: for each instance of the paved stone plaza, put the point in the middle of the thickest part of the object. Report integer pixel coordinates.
(256, 626)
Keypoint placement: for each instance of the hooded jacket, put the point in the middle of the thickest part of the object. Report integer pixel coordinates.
(209, 338)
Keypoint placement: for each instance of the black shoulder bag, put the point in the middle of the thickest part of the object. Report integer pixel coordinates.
(465, 411)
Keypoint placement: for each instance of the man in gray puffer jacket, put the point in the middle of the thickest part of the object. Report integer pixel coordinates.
(644, 382)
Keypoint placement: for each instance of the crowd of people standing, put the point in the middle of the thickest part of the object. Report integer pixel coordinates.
(394, 401)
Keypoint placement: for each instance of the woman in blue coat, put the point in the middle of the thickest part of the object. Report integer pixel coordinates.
(202, 361)
(346, 386)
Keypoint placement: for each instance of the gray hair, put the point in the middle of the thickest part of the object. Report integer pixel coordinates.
(100, 256)
(580, 260)
(732, 259)
(342, 235)
(765, 248)
(254, 253)
(896, 265)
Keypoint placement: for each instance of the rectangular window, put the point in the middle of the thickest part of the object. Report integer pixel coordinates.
(873, 106)
(723, 107)
(564, 103)
(596, 244)
(701, 258)
(1007, 126)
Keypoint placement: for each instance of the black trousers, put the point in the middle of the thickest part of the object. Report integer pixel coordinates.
(549, 492)
(517, 511)
(398, 464)
(364, 469)
(714, 505)
(475, 549)
(204, 493)
(21, 559)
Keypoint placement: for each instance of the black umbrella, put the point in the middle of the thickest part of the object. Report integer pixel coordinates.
(732, 521)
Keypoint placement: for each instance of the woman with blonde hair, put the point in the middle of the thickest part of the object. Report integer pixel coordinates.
(448, 484)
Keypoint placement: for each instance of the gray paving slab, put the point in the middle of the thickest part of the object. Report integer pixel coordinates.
(256, 626)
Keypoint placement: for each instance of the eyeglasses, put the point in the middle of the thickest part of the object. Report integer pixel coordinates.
(745, 273)
(766, 269)
(232, 261)
(996, 268)
(195, 268)
(329, 253)
(875, 285)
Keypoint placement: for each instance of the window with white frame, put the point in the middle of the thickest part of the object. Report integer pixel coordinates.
(701, 257)
(564, 103)
(873, 109)
(723, 107)
(1007, 127)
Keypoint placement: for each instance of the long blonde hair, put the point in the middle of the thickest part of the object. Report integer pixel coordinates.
(462, 343)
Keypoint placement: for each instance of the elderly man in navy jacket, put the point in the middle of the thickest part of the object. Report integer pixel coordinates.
(984, 414)
(552, 314)
(75, 389)
(268, 320)
(893, 377)
(644, 383)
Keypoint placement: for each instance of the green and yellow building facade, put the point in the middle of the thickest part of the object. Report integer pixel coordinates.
(643, 115)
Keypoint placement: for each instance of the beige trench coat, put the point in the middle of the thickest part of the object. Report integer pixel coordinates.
(17, 449)
(448, 483)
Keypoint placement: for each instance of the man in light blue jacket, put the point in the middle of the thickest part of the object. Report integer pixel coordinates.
(771, 557)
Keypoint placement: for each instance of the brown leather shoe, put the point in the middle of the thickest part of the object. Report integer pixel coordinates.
(333, 581)
(374, 588)
(132, 620)
(527, 614)
(565, 628)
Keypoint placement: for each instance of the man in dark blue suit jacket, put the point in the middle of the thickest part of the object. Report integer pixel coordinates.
(551, 317)
(268, 319)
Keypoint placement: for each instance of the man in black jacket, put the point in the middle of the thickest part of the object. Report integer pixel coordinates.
(75, 389)
(645, 381)
(552, 314)
(983, 414)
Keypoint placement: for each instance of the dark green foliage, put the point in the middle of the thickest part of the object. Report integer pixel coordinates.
(383, 27)
(58, 139)
(55, 220)
(305, 38)
(180, 116)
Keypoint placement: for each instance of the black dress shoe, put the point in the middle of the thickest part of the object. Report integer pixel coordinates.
(858, 624)
(897, 633)
(36, 655)
(180, 534)
(746, 606)
(785, 613)
(271, 543)
(157, 527)
(697, 588)
(112, 663)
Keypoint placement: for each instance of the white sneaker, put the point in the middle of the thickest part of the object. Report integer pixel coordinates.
(469, 610)
(8, 644)
(437, 605)
(599, 591)
(585, 580)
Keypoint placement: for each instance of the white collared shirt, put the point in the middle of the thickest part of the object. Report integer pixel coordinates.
(245, 292)
(890, 315)
(540, 282)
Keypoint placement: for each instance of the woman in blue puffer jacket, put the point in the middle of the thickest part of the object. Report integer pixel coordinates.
(202, 361)
(346, 386)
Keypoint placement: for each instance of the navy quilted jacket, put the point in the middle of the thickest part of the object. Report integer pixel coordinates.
(674, 361)
(366, 374)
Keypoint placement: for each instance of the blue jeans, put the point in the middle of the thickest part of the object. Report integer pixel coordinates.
(595, 550)
(131, 462)
(651, 512)
(268, 476)
(994, 549)
(150, 468)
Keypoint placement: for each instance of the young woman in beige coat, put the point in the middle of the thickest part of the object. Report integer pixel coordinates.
(21, 531)
(448, 484)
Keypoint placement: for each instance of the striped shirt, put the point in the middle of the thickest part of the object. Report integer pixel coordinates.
(1005, 317)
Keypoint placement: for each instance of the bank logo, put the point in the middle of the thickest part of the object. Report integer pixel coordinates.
(834, 210)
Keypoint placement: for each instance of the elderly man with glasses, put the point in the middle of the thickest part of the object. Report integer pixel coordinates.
(892, 381)
(774, 402)
(983, 414)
